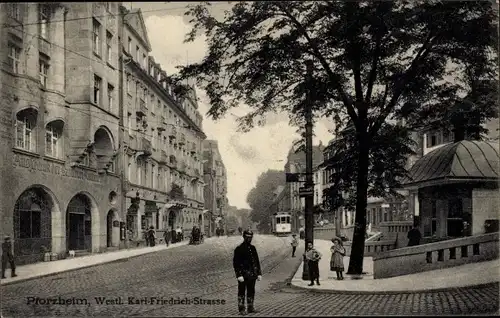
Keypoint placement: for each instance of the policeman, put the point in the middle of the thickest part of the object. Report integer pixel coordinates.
(8, 257)
(247, 268)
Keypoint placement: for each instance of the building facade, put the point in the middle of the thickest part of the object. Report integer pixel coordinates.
(162, 141)
(296, 163)
(59, 140)
(215, 191)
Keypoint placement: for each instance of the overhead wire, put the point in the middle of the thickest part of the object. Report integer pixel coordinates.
(104, 16)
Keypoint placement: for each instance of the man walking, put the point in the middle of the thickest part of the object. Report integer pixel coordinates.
(8, 257)
(295, 243)
(247, 268)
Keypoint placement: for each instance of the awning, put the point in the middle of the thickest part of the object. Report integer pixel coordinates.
(175, 205)
(461, 161)
(132, 210)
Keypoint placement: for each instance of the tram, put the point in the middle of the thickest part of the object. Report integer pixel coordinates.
(282, 223)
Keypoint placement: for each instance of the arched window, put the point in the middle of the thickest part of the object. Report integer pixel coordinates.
(53, 139)
(25, 129)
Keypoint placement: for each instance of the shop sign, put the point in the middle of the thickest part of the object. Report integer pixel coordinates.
(57, 169)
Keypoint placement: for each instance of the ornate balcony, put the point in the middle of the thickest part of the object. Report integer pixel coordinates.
(143, 110)
(172, 133)
(145, 146)
(182, 140)
(173, 161)
(163, 157)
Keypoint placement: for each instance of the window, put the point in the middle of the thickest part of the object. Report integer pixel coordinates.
(129, 169)
(25, 138)
(129, 47)
(129, 123)
(137, 53)
(128, 85)
(14, 11)
(44, 72)
(144, 61)
(14, 57)
(29, 222)
(159, 77)
(153, 138)
(109, 48)
(53, 134)
(96, 31)
(111, 92)
(97, 89)
(139, 173)
(44, 20)
(153, 176)
(144, 94)
(108, 6)
(152, 70)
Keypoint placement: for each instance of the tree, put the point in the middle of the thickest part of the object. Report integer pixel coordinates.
(370, 59)
(262, 196)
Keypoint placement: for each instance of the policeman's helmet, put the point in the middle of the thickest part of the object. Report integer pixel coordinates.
(247, 233)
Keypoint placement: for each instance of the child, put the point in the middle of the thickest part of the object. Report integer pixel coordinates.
(337, 261)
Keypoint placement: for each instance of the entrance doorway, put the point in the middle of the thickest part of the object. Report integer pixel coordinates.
(76, 231)
(109, 227)
(171, 220)
(79, 224)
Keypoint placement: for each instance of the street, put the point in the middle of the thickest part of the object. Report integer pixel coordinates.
(205, 271)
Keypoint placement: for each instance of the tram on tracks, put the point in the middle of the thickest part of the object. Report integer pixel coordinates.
(282, 223)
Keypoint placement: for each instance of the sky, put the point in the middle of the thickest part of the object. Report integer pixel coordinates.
(245, 155)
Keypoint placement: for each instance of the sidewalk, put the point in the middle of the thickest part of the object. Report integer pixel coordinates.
(454, 277)
(30, 271)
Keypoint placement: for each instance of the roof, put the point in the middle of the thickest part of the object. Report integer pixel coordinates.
(465, 160)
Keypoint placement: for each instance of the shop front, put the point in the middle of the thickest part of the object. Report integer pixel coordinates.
(52, 207)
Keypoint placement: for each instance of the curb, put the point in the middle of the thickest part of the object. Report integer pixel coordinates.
(390, 292)
(292, 275)
(124, 259)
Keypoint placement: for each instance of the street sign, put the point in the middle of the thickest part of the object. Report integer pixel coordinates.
(305, 192)
(292, 177)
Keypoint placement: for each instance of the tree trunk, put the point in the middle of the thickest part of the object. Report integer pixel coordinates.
(358, 240)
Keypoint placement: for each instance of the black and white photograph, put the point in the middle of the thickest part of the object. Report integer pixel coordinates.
(250, 158)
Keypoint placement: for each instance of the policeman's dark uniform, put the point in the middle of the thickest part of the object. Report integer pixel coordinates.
(8, 257)
(247, 265)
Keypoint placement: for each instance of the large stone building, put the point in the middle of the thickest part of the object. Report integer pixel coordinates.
(162, 141)
(59, 129)
(71, 178)
(215, 192)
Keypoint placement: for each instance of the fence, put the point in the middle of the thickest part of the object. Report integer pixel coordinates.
(436, 255)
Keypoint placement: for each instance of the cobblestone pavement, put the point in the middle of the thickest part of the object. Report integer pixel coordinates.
(205, 271)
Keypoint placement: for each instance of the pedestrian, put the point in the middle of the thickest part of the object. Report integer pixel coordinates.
(178, 234)
(152, 236)
(8, 257)
(302, 233)
(295, 243)
(166, 236)
(313, 257)
(414, 236)
(337, 260)
(247, 268)
(146, 237)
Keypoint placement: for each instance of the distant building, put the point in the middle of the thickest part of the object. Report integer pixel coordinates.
(215, 176)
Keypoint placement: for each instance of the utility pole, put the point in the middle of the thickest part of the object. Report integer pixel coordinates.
(309, 184)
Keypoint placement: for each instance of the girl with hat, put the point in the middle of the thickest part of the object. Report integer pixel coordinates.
(337, 260)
